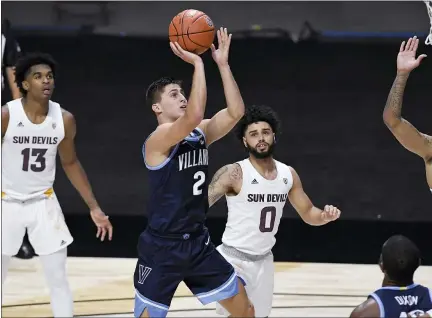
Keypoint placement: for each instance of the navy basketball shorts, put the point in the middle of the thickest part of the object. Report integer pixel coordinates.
(165, 262)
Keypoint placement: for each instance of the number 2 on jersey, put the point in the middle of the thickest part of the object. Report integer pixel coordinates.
(265, 213)
(200, 175)
(40, 162)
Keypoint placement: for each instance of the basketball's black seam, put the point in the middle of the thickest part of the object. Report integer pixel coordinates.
(182, 32)
(197, 33)
(202, 14)
(194, 32)
(197, 43)
(175, 29)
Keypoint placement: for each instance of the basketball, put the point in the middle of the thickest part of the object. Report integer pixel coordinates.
(193, 30)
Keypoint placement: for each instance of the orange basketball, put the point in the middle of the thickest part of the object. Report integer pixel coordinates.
(193, 30)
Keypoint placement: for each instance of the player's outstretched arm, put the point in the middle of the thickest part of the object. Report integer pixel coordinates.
(77, 176)
(305, 208)
(404, 131)
(226, 180)
(367, 309)
(222, 123)
(4, 119)
(167, 135)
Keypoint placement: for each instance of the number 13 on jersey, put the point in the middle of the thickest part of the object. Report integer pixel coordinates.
(39, 159)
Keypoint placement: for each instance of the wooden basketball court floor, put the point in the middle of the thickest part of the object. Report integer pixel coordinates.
(102, 287)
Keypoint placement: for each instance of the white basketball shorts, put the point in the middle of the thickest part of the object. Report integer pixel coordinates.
(44, 221)
(259, 279)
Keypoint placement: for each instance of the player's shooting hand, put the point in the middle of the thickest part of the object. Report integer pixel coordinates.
(103, 224)
(330, 213)
(406, 59)
(220, 55)
(186, 56)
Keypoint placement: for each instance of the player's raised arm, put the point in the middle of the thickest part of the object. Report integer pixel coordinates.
(305, 208)
(226, 180)
(77, 176)
(170, 133)
(221, 123)
(404, 131)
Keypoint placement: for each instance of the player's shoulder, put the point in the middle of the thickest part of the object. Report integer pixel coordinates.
(369, 308)
(67, 115)
(235, 171)
(69, 123)
(284, 167)
(231, 172)
(5, 111)
(4, 119)
(160, 130)
(281, 164)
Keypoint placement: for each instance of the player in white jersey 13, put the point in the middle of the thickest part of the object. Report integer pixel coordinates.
(34, 128)
(407, 135)
(256, 190)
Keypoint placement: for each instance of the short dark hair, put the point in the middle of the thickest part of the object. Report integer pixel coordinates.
(155, 89)
(400, 258)
(25, 63)
(255, 114)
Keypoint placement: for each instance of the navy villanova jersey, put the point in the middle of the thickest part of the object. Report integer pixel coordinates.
(397, 302)
(178, 201)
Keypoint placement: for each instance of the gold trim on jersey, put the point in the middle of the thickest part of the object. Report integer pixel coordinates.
(48, 193)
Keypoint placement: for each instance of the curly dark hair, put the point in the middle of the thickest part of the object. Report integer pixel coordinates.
(155, 89)
(25, 63)
(255, 114)
(400, 258)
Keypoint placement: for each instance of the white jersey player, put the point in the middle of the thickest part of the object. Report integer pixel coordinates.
(408, 136)
(33, 129)
(256, 191)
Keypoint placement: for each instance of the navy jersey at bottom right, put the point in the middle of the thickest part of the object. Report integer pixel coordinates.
(400, 301)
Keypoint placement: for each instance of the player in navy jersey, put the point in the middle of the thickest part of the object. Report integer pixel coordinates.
(399, 296)
(176, 245)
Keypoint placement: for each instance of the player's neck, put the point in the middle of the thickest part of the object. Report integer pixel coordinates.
(35, 107)
(387, 282)
(263, 166)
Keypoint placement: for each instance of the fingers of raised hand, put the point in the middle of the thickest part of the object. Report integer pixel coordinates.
(331, 212)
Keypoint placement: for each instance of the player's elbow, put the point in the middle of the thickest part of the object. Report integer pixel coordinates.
(194, 118)
(237, 113)
(306, 216)
(68, 162)
(311, 216)
(390, 119)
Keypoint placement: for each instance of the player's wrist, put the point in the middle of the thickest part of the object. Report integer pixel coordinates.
(223, 66)
(403, 73)
(198, 62)
(93, 206)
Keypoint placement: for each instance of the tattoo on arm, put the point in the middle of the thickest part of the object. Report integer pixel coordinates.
(395, 97)
(214, 193)
(223, 181)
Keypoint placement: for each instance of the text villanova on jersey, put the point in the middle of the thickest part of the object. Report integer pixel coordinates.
(198, 157)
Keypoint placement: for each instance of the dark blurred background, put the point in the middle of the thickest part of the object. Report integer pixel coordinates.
(325, 67)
